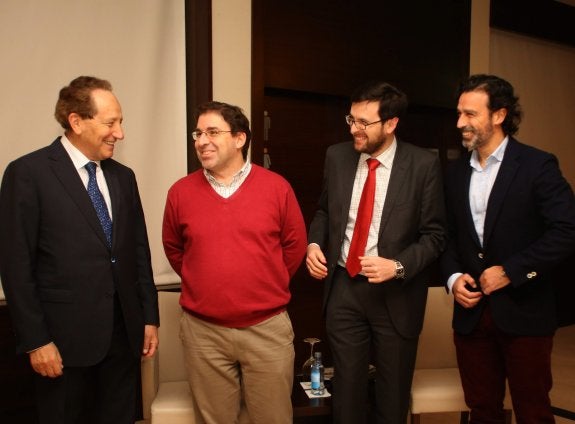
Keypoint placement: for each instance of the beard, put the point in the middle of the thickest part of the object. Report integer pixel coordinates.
(370, 146)
(478, 138)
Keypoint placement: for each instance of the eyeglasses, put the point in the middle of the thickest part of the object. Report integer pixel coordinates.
(360, 125)
(213, 133)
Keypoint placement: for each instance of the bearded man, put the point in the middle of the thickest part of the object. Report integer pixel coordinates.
(381, 223)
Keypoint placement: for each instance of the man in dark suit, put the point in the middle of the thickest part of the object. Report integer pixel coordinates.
(76, 272)
(376, 296)
(512, 221)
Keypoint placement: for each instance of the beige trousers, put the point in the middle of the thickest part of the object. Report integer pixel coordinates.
(234, 368)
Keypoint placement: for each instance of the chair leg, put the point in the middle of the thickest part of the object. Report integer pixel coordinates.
(415, 418)
(508, 416)
(464, 417)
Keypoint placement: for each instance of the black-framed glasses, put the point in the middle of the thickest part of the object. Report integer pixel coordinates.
(211, 133)
(360, 125)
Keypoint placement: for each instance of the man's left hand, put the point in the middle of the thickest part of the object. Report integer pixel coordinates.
(492, 279)
(377, 269)
(150, 340)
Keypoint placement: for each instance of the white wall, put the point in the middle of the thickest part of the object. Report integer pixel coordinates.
(232, 52)
(543, 75)
(138, 45)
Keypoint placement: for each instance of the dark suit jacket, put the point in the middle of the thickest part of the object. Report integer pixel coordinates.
(58, 274)
(529, 230)
(412, 224)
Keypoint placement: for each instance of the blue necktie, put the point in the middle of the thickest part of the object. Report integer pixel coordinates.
(99, 202)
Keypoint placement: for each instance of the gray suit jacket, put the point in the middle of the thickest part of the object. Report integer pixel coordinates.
(59, 276)
(412, 224)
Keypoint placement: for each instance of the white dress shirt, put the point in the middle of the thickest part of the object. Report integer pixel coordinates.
(80, 162)
(480, 185)
(382, 173)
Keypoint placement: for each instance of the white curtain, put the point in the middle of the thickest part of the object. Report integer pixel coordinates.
(139, 46)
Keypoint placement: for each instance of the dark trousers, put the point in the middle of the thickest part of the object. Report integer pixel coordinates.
(488, 356)
(357, 321)
(104, 393)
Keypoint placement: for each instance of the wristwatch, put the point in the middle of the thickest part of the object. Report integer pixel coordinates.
(399, 270)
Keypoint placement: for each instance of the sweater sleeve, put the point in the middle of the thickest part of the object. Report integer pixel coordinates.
(171, 235)
(293, 235)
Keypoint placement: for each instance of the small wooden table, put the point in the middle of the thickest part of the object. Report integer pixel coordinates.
(303, 406)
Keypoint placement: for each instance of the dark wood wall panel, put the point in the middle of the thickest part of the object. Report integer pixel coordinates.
(307, 59)
(330, 46)
(17, 377)
(547, 19)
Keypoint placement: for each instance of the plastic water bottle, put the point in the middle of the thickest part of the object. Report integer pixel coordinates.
(317, 384)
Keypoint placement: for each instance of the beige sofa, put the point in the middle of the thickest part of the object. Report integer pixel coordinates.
(166, 395)
(436, 383)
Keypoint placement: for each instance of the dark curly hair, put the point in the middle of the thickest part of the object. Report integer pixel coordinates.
(233, 115)
(501, 96)
(77, 98)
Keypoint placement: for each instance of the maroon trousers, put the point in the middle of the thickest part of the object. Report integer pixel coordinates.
(487, 357)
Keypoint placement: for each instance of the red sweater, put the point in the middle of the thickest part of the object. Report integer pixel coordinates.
(236, 255)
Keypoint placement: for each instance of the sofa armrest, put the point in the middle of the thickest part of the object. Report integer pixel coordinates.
(150, 382)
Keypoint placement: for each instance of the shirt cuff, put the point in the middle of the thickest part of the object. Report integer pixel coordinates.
(451, 280)
(38, 348)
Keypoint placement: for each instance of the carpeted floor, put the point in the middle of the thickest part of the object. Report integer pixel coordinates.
(563, 392)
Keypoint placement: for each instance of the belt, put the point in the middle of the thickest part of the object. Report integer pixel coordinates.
(358, 277)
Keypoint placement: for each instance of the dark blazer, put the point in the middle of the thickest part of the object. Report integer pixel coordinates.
(412, 224)
(58, 274)
(529, 230)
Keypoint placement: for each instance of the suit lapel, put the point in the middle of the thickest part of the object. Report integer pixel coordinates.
(507, 171)
(396, 178)
(67, 175)
(346, 178)
(463, 182)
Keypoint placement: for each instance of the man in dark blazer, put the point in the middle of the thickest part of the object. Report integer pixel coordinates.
(511, 218)
(382, 305)
(83, 307)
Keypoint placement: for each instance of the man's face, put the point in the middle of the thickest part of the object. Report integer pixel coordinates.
(372, 139)
(222, 153)
(475, 120)
(96, 137)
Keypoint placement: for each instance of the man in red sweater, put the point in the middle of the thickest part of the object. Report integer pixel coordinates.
(235, 234)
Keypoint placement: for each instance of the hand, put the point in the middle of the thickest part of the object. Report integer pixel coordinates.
(493, 278)
(315, 262)
(47, 361)
(461, 293)
(377, 269)
(151, 340)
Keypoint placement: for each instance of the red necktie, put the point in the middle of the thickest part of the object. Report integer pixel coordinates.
(363, 221)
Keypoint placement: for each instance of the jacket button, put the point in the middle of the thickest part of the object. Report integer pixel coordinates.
(480, 255)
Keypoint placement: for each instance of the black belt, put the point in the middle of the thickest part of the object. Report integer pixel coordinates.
(358, 277)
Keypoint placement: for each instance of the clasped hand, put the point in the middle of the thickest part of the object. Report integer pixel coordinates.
(375, 268)
(468, 293)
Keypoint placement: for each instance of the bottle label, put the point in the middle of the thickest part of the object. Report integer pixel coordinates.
(315, 383)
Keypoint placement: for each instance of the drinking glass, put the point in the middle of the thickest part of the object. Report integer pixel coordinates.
(306, 367)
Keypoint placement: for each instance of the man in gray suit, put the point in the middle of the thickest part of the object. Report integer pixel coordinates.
(376, 282)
